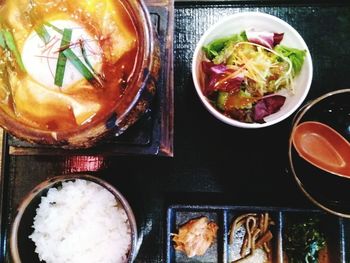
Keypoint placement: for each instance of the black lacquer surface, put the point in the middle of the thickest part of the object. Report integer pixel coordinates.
(214, 164)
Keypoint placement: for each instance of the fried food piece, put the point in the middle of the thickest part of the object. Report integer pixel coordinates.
(195, 237)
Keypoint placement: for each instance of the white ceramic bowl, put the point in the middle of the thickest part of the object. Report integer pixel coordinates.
(260, 22)
(22, 249)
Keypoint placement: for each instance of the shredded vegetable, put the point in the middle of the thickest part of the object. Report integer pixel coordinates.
(261, 65)
(248, 67)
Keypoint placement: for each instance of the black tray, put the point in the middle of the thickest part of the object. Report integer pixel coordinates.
(222, 251)
(214, 164)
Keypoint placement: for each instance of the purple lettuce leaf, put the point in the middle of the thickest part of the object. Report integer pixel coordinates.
(277, 38)
(267, 106)
(215, 75)
(264, 38)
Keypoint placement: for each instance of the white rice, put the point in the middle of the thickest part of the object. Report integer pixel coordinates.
(80, 222)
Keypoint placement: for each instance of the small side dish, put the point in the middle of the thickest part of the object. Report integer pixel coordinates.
(195, 237)
(305, 243)
(255, 230)
(73, 218)
(81, 222)
(245, 73)
(252, 70)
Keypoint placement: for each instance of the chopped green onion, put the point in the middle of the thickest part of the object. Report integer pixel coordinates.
(62, 59)
(83, 51)
(43, 34)
(39, 29)
(11, 45)
(2, 41)
(58, 30)
(79, 65)
(67, 53)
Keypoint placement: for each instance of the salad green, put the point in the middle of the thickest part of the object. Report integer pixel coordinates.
(214, 48)
(243, 70)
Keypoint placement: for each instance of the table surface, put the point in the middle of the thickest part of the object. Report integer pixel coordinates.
(214, 164)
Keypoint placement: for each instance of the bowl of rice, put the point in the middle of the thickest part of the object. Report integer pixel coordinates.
(74, 218)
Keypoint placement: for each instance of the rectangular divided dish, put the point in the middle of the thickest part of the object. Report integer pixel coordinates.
(222, 251)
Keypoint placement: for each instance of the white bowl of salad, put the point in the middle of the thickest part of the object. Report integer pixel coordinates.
(252, 70)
